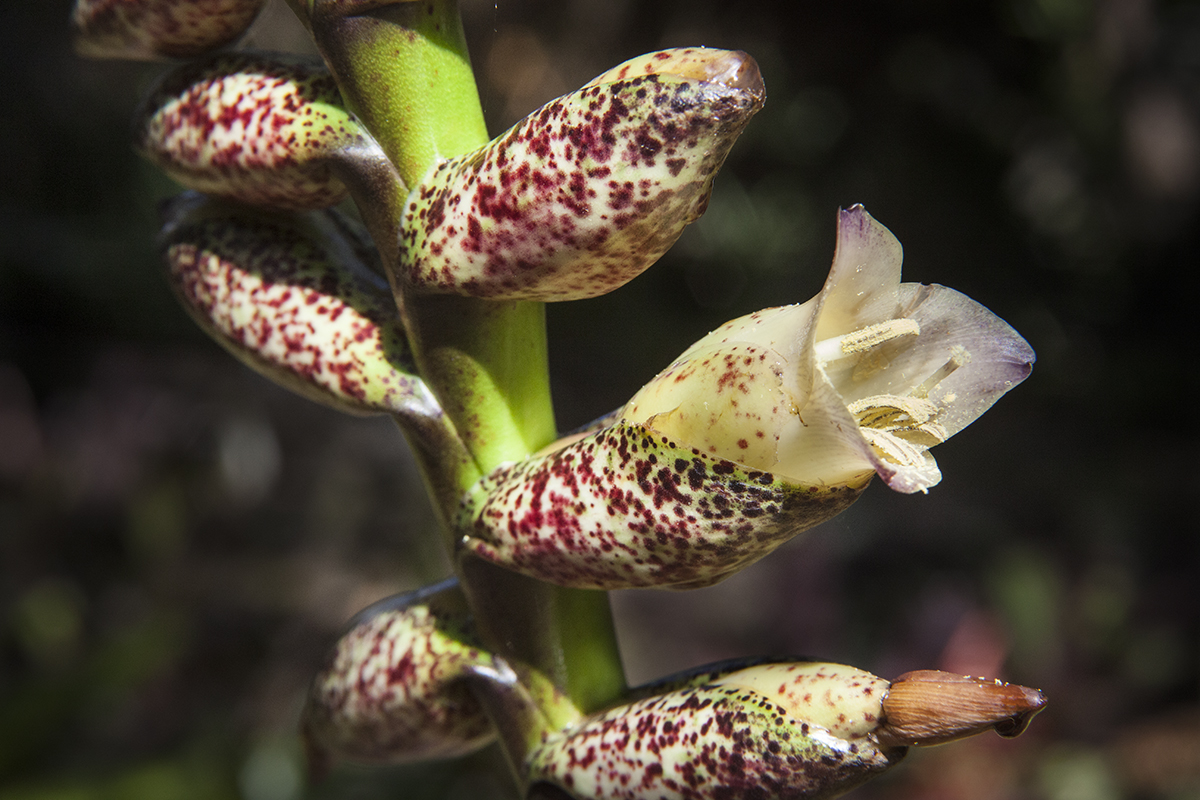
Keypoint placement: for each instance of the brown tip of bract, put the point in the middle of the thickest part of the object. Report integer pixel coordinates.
(736, 69)
(929, 707)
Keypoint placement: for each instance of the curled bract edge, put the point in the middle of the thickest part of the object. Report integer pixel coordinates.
(154, 29)
(783, 730)
(262, 129)
(299, 298)
(587, 192)
(392, 689)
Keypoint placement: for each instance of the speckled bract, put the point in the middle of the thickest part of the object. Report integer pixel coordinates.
(151, 29)
(581, 196)
(392, 688)
(705, 743)
(251, 128)
(294, 296)
(627, 507)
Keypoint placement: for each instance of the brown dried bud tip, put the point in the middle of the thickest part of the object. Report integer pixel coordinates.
(932, 707)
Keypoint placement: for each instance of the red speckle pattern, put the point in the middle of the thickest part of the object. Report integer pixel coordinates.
(251, 129)
(391, 690)
(580, 197)
(705, 743)
(147, 29)
(626, 507)
(294, 297)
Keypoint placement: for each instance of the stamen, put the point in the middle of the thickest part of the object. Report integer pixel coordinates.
(861, 341)
(926, 435)
(899, 429)
(886, 411)
(894, 449)
(959, 356)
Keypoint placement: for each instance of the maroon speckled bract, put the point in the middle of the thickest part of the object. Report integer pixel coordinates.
(581, 196)
(392, 689)
(294, 296)
(151, 29)
(705, 743)
(626, 507)
(260, 130)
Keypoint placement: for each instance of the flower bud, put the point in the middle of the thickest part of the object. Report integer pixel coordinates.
(253, 129)
(151, 29)
(392, 689)
(298, 298)
(788, 730)
(587, 192)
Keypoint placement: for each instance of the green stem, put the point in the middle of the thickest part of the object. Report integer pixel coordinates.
(403, 69)
(487, 362)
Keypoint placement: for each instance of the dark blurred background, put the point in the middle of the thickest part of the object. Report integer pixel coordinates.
(180, 540)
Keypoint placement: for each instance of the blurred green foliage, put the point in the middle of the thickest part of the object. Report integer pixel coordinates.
(179, 540)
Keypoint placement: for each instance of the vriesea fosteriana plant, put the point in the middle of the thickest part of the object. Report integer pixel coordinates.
(425, 302)
(772, 423)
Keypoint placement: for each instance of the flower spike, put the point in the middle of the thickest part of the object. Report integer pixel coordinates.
(255, 129)
(393, 689)
(153, 29)
(587, 192)
(771, 424)
(298, 298)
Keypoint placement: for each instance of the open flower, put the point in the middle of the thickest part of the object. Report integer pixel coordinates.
(771, 424)
(864, 378)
